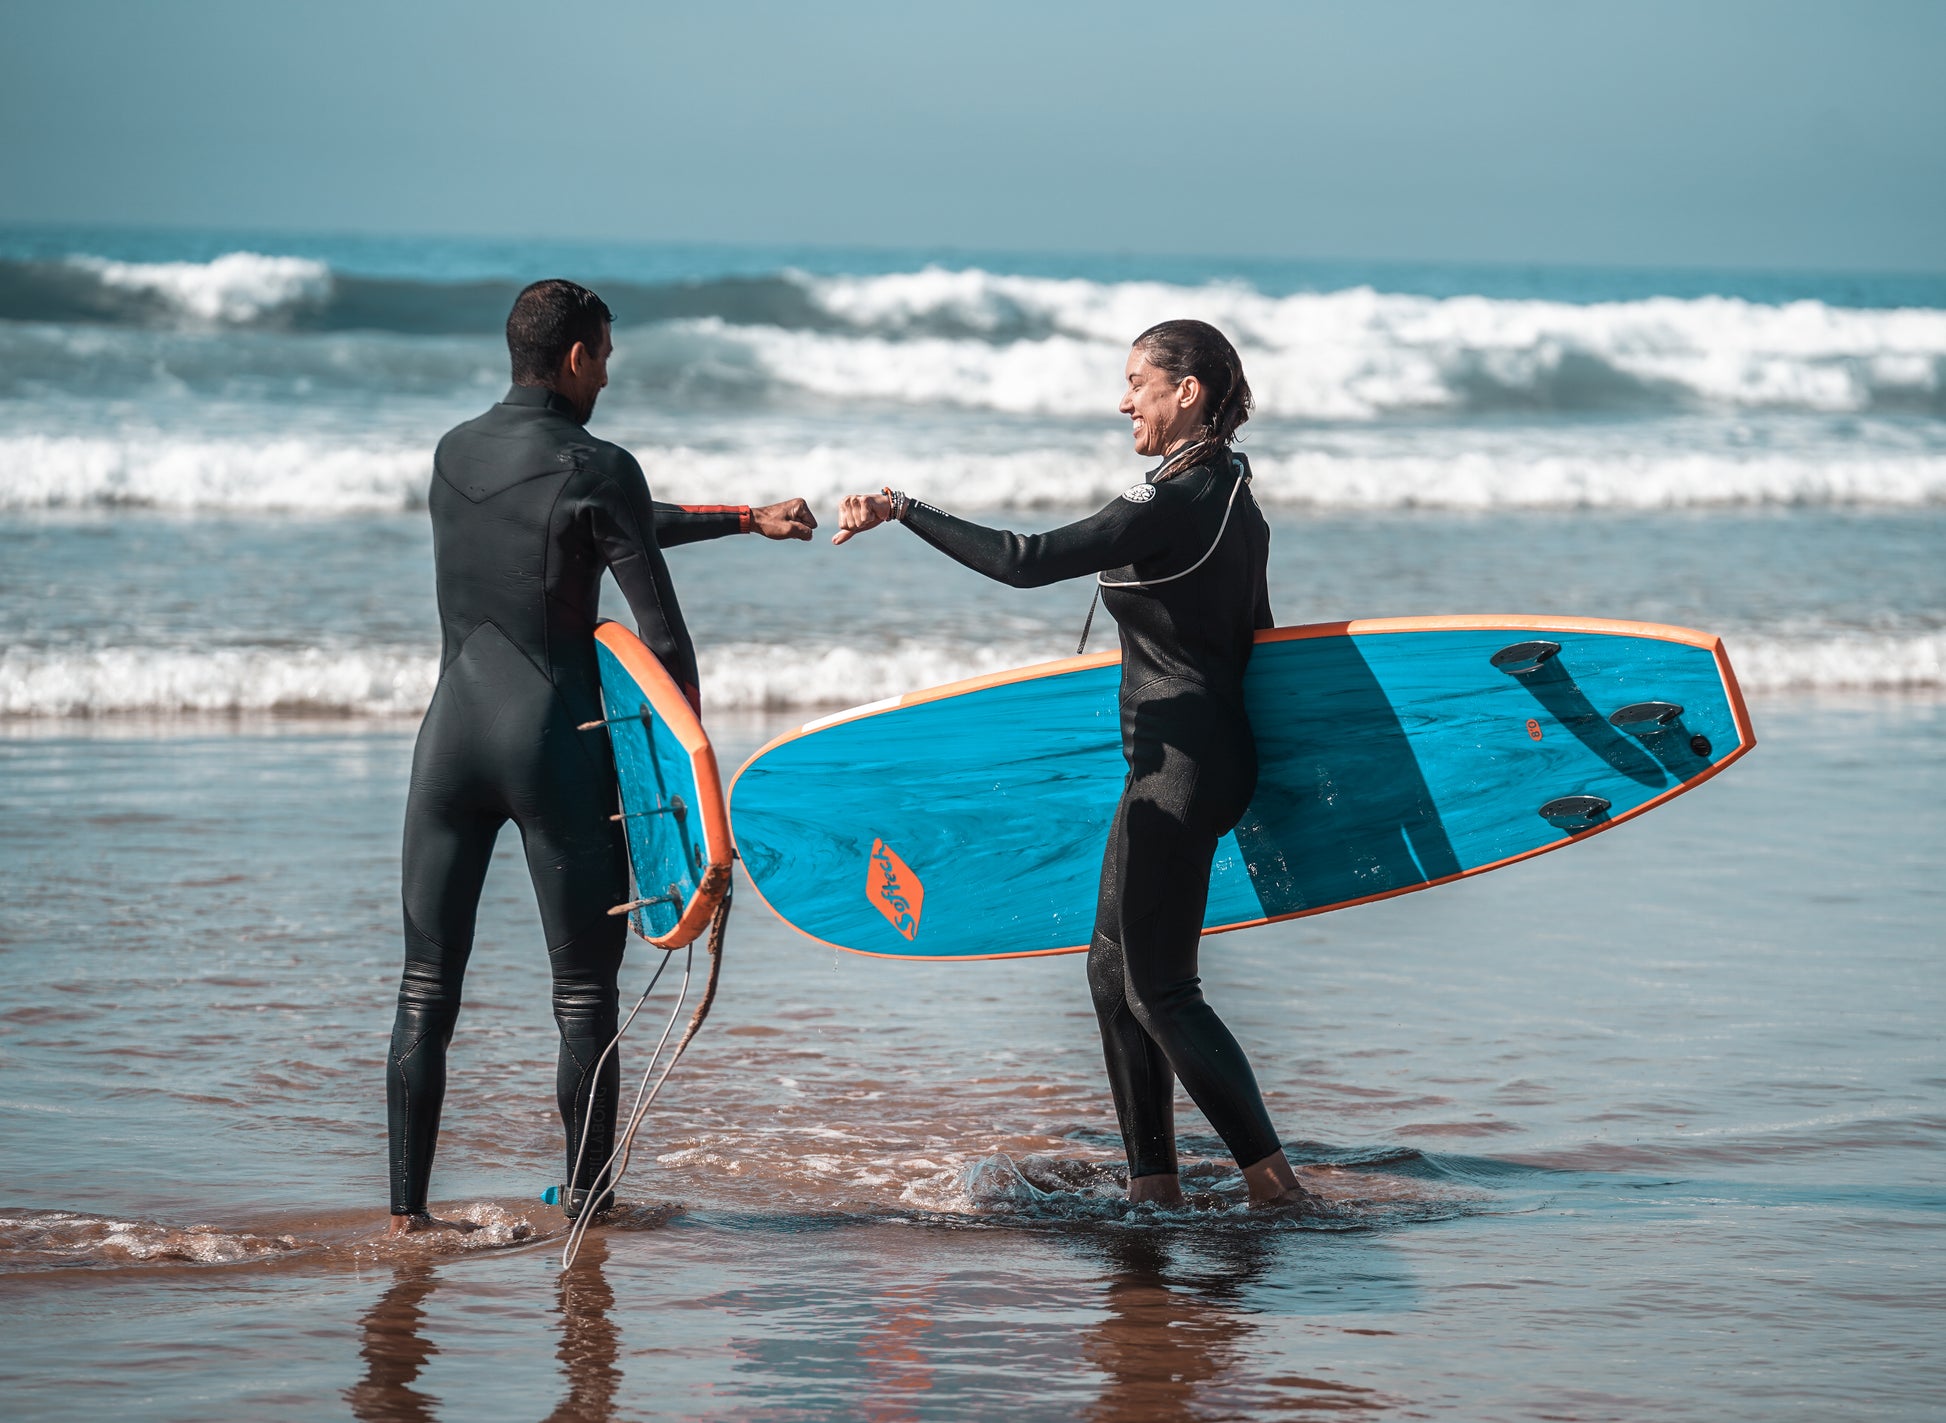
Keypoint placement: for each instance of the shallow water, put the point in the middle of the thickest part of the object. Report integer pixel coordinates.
(1649, 1129)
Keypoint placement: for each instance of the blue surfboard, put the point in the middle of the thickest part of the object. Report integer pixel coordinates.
(679, 845)
(969, 821)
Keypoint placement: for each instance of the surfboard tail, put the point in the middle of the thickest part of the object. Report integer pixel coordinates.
(673, 810)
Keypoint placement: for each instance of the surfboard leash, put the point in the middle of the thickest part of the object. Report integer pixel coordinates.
(608, 1178)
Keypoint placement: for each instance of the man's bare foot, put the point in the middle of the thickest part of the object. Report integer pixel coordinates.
(418, 1224)
(1272, 1182)
(1161, 1189)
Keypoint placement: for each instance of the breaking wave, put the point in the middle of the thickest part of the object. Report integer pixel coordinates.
(155, 471)
(124, 680)
(982, 340)
(237, 289)
(398, 681)
(1363, 354)
(314, 474)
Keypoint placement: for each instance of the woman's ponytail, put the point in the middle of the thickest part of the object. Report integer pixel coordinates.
(1181, 349)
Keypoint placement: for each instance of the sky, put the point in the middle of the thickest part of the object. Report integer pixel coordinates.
(1713, 133)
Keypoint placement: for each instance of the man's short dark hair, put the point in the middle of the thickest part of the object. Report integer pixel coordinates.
(547, 319)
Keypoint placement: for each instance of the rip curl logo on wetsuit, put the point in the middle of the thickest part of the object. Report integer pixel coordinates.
(894, 889)
(1139, 493)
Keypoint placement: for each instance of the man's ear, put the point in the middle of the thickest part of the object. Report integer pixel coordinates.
(577, 359)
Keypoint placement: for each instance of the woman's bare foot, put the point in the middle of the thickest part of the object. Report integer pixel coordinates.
(1161, 1189)
(417, 1224)
(1272, 1181)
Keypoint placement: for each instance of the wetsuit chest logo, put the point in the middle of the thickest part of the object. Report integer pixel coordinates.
(894, 889)
(1139, 493)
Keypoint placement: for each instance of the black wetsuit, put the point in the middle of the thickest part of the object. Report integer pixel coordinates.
(1192, 765)
(527, 510)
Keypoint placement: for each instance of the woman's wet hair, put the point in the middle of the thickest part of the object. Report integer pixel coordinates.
(547, 319)
(1180, 349)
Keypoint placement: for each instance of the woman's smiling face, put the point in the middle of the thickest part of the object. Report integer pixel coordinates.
(1161, 410)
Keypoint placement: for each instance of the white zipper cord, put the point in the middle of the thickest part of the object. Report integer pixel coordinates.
(1221, 529)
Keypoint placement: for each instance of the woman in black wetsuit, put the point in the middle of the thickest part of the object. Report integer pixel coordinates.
(1180, 562)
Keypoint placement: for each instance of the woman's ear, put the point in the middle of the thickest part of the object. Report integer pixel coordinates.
(1188, 392)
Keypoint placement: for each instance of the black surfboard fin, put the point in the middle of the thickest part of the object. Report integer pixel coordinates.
(1575, 812)
(1524, 657)
(1645, 718)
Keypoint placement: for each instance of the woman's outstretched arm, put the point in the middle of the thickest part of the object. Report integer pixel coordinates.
(1124, 531)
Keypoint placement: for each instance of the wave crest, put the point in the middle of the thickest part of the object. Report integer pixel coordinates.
(155, 471)
(319, 475)
(1031, 345)
(991, 341)
(237, 289)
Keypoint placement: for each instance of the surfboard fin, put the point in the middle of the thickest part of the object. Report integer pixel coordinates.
(674, 896)
(1524, 657)
(1575, 812)
(643, 715)
(675, 807)
(1645, 718)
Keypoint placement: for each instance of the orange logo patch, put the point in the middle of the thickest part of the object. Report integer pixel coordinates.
(891, 885)
(1533, 729)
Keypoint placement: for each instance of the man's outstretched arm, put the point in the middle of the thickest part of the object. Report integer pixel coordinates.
(690, 523)
(624, 520)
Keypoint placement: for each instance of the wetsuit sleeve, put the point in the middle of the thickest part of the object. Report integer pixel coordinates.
(677, 524)
(1113, 537)
(623, 517)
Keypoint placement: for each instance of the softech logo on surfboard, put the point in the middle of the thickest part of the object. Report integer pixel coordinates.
(895, 889)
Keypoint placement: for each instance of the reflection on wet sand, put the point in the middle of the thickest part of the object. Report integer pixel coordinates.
(395, 1350)
(1174, 1343)
(589, 1339)
(395, 1346)
(898, 1374)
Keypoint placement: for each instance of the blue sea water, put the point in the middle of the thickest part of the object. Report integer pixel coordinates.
(1649, 1129)
(225, 379)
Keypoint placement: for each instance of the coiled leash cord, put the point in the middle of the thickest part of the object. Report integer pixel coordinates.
(645, 1095)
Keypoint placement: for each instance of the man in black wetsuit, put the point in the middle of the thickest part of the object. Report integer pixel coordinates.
(527, 510)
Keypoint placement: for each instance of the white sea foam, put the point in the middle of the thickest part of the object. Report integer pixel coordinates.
(64, 1237)
(990, 341)
(1472, 475)
(238, 288)
(123, 680)
(315, 474)
(769, 676)
(150, 469)
(398, 682)
(1032, 345)
(1868, 662)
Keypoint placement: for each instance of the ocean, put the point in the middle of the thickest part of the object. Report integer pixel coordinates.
(1650, 1129)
